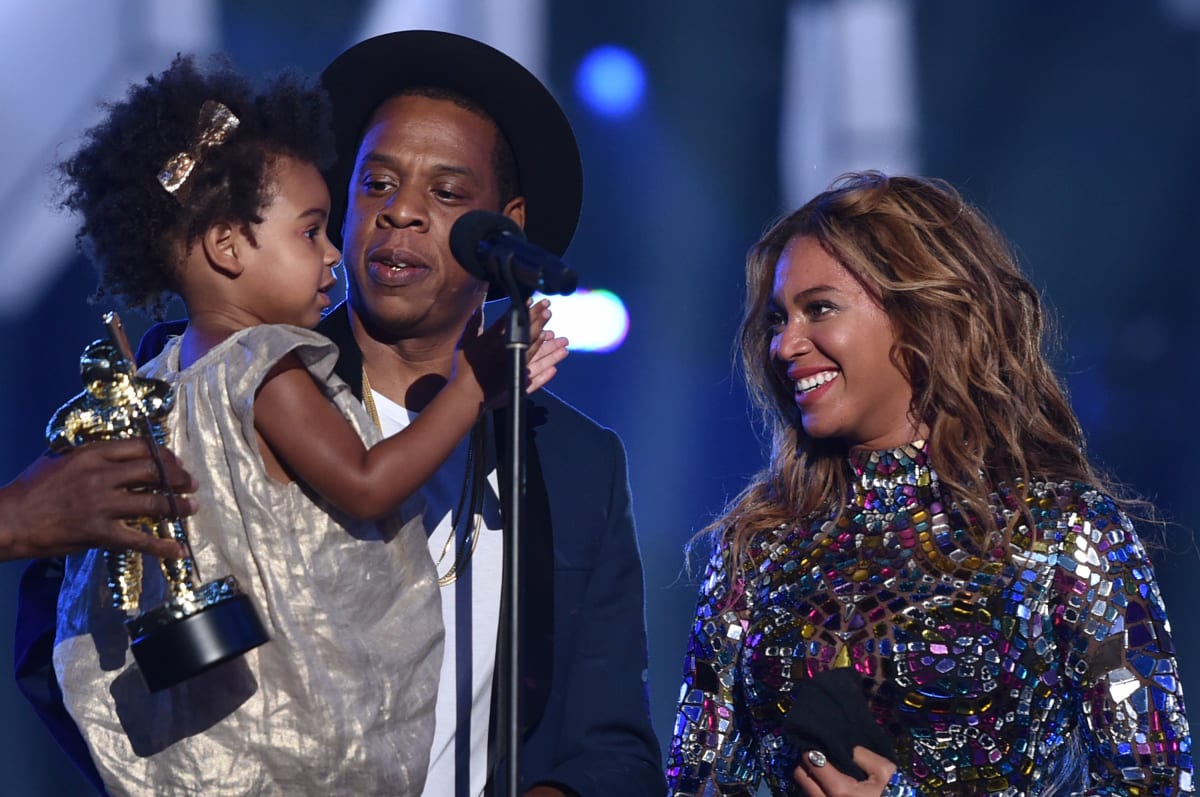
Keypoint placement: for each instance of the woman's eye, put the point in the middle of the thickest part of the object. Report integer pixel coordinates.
(819, 309)
(775, 320)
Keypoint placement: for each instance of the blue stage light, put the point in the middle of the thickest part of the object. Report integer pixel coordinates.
(611, 80)
(590, 320)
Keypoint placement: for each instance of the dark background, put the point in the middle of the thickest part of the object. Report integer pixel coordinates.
(1072, 125)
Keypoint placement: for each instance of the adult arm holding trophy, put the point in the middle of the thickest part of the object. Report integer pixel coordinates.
(84, 499)
(100, 496)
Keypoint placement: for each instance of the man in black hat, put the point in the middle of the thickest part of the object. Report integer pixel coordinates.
(430, 125)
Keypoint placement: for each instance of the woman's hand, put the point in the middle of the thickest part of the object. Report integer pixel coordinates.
(826, 781)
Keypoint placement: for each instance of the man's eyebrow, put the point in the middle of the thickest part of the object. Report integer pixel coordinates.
(377, 157)
(383, 159)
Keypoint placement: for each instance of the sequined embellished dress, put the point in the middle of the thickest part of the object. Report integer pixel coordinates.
(1050, 673)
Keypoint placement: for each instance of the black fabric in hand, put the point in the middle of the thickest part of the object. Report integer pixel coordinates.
(829, 713)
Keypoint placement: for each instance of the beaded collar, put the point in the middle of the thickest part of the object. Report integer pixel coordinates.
(892, 480)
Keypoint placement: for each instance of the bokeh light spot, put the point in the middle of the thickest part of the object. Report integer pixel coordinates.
(611, 81)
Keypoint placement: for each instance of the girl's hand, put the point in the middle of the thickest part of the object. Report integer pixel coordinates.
(483, 355)
(545, 350)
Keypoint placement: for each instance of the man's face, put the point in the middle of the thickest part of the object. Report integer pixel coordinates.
(421, 164)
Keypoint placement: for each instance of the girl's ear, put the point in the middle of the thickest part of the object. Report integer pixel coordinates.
(222, 242)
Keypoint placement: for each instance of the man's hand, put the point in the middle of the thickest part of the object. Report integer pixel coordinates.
(80, 500)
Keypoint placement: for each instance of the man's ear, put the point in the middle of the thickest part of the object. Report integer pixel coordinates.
(515, 210)
(222, 242)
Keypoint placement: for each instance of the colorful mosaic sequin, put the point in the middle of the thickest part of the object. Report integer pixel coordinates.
(1047, 672)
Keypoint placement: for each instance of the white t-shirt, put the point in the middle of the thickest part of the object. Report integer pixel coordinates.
(465, 689)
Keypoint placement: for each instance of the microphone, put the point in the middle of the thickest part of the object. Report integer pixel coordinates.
(481, 241)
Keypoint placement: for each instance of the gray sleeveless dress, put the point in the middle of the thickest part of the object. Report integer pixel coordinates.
(341, 700)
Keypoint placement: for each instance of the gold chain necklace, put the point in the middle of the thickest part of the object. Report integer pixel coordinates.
(470, 498)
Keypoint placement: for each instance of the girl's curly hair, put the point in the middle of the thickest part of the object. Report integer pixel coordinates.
(133, 229)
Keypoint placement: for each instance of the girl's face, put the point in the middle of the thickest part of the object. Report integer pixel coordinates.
(832, 341)
(290, 264)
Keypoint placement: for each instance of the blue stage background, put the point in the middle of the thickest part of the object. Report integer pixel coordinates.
(1074, 126)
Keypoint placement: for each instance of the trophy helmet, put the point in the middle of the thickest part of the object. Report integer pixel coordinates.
(102, 362)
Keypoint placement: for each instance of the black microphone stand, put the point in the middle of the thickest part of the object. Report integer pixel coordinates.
(517, 336)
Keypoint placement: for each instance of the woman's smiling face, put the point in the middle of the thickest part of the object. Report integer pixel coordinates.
(832, 342)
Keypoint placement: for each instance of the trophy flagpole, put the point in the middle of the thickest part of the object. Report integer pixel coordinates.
(116, 333)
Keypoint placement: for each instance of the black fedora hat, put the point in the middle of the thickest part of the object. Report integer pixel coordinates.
(543, 144)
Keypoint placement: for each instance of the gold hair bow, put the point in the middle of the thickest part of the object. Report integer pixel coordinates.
(216, 123)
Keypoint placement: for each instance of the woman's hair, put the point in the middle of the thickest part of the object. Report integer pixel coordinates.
(968, 329)
(133, 228)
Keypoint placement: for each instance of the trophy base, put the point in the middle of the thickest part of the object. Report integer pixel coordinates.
(169, 653)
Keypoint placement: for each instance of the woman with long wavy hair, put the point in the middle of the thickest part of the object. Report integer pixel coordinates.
(928, 590)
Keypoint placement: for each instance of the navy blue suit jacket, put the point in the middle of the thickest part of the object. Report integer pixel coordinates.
(584, 702)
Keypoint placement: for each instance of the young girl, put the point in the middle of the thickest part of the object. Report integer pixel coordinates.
(196, 186)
